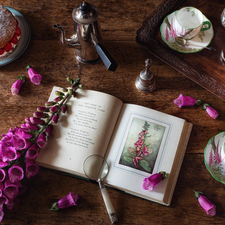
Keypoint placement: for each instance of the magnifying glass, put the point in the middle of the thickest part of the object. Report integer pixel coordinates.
(96, 168)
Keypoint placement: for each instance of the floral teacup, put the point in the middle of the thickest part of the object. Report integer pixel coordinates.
(189, 21)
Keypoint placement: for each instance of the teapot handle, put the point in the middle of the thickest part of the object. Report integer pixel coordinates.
(106, 58)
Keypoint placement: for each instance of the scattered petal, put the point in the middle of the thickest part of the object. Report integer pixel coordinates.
(150, 182)
(33, 75)
(205, 203)
(186, 101)
(211, 112)
(67, 201)
(17, 85)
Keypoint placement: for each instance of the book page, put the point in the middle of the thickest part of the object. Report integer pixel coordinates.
(84, 130)
(145, 142)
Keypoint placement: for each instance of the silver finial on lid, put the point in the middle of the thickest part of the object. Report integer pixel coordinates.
(146, 81)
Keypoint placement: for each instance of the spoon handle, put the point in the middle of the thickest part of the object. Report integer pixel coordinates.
(210, 48)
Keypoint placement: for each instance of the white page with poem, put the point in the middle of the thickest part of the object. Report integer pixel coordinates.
(84, 130)
(161, 140)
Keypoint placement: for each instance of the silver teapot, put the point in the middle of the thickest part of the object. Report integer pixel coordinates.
(87, 37)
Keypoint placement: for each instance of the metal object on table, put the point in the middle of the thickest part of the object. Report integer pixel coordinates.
(96, 168)
(87, 37)
(182, 41)
(146, 81)
(223, 18)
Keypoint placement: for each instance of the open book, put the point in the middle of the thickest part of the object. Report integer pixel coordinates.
(136, 142)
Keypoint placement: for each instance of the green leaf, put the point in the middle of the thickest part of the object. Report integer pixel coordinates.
(128, 159)
(145, 165)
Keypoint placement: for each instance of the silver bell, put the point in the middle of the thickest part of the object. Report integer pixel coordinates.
(146, 81)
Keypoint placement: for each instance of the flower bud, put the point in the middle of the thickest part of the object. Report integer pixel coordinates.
(54, 108)
(36, 120)
(58, 99)
(42, 109)
(47, 104)
(59, 93)
(64, 108)
(49, 130)
(55, 118)
(39, 114)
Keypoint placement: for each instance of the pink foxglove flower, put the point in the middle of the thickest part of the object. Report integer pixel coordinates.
(205, 203)
(211, 112)
(17, 85)
(150, 182)
(15, 173)
(31, 168)
(31, 153)
(10, 154)
(1, 215)
(41, 140)
(21, 188)
(21, 144)
(67, 201)
(2, 175)
(33, 75)
(10, 190)
(12, 203)
(186, 101)
(3, 200)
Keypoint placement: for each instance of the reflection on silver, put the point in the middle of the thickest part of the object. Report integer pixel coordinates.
(222, 57)
(223, 18)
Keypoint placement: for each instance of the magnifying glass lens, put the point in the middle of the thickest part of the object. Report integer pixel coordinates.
(95, 167)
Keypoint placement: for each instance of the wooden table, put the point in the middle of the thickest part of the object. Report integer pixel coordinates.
(119, 22)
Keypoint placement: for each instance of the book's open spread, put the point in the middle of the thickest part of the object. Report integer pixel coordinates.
(98, 123)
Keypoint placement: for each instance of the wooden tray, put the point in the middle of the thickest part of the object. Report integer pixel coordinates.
(205, 67)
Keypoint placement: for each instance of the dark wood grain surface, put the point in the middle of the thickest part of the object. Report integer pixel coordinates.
(119, 22)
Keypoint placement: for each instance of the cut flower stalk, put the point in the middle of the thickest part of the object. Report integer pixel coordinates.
(20, 146)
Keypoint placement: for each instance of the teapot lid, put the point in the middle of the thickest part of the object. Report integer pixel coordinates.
(85, 13)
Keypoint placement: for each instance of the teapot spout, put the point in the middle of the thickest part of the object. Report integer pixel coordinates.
(70, 42)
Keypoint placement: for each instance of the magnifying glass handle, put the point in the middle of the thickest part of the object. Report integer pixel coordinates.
(108, 203)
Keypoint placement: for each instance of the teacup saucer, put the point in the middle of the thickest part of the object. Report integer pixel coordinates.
(196, 44)
(214, 157)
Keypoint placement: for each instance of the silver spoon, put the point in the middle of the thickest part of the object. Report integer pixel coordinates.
(182, 41)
